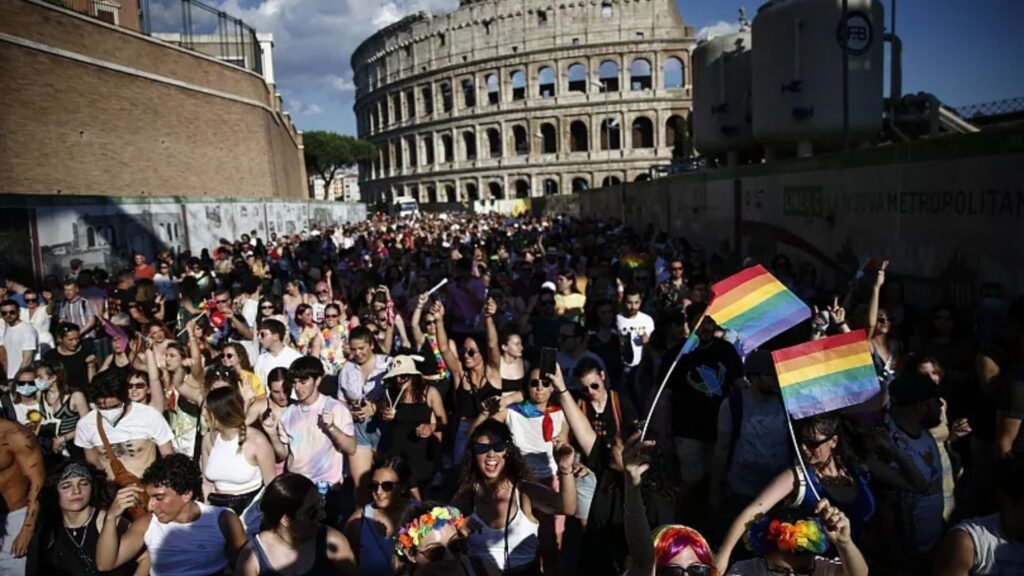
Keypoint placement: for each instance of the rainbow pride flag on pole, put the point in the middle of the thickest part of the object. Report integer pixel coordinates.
(754, 305)
(826, 374)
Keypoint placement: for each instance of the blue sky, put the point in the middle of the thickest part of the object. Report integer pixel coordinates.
(964, 52)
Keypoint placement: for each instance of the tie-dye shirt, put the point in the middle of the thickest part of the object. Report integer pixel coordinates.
(310, 450)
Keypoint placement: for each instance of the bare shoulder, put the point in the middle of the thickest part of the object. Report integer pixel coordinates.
(337, 545)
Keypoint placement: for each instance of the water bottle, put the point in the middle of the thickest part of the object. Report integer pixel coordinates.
(323, 487)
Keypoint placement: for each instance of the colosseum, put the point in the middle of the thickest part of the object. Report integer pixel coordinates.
(517, 98)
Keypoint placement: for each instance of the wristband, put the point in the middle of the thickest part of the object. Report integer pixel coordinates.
(563, 390)
(569, 473)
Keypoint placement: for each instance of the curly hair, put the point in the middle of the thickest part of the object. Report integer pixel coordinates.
(100, 496)
(177, 472)
(515, 469)
(110, 383)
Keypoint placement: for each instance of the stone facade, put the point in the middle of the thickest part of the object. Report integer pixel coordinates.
(517, 98)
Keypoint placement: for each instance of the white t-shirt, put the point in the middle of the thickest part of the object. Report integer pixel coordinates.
(636, 328)
(16, 340)
(758, 567)
(529, 435)
(267, 362)
(142, 422)
(250, 309)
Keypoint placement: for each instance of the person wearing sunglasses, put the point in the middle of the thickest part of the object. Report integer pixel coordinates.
(183, 381)
(787, 543)
(671, 550)
(432, 542)
(371, 529)
(309, 341)
(672, 291)
(497, 486)
(20, 339)
(886, 351)
(36, 313)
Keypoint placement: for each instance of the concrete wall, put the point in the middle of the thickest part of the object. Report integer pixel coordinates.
(40, 235)
(97, 110)
(948, 213)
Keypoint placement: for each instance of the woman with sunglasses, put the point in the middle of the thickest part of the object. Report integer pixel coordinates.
(432, 542)
(475, 380)
(308, 341)
(291, 299)
(505, 352)
(39, 317)
(235, 357)
(371, 530)
(671, 550)
(424, 336)
(834, 468)
(293, 539)
(497, 485)
(334, 335)
(235, 463)
(793, 544)
(886, 351)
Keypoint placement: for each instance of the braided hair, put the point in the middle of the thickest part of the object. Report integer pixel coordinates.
(226, 407)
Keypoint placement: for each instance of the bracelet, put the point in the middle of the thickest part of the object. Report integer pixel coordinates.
(569, 473)
(563, 390)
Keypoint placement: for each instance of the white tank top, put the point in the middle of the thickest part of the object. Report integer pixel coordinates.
(229, 469)
(488, 543)
(194, 549)
(994, 553)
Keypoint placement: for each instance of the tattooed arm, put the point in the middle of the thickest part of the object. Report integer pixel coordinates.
(30, 461)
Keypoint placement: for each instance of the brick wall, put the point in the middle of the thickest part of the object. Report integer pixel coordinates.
(74, 127)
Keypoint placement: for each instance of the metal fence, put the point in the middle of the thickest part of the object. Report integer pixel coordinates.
(999, 108)
(196, 26)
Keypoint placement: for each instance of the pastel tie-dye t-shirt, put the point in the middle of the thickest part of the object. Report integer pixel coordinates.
(310, 450)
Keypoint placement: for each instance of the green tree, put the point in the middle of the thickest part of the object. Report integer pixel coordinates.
(327, 152)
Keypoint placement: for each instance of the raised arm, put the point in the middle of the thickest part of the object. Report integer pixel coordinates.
(876, 291)
(113, 550)
(638, 530)
(417, 314)
(156, 389)
(580, 427)
(447, 351)
(772, 494)
(493, 344)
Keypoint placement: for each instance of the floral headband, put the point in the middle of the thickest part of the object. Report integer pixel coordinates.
(413, 533)
(766, 534)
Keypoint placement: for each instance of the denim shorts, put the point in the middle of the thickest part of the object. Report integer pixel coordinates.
(585, 488)
(368, 433)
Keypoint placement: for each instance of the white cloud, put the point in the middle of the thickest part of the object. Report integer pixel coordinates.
(718, 29)
(312, 110)
(314, 39)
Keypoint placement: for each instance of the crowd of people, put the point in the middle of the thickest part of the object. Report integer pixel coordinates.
(464, 394)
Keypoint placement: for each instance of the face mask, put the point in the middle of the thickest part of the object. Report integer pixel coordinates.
(27, 389)
(112, 415)
(42, 384)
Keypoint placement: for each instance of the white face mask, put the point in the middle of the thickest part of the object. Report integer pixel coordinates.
(42, 384)
(112, 415)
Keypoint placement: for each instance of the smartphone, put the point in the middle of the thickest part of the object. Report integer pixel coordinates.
(548, 358)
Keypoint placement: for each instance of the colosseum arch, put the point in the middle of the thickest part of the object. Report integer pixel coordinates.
(579, 137)
(494, 143)
(674, 126)
(674, 73)
(446, 97)
(410, 103)
(642, 177)
(494, 191)
(448, 148)
(432, 194)
(518, 81)
(493, 89)
(608, 74)
(472, 192)
(577, 77)
(427, 93)
(643, 132)
(611, 134)
(548, 138)
(468, 93)
(580, 184)
(546, 82)
(610, 180)
(449, 193)
(520, 141)
(640, 74)
(550, 187)
(428, 150)
(469, 144)
(522, 188)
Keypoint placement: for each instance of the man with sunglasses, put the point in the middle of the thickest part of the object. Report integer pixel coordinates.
(276, 354)
(672, 292)
(20, 339)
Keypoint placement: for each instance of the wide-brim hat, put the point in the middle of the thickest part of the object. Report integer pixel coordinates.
(402, 366)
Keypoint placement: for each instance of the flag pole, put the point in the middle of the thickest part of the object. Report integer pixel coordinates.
(800, 458)
(664, 381)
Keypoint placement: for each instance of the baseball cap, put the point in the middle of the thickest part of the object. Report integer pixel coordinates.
(911, 388)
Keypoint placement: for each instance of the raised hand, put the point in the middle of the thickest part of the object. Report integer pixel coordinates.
(837, 525)
(490, 308)
(634, 462)
(127, 497)
(880, 275)
(838, 312)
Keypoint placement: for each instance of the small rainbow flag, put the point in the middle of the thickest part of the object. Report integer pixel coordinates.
(756, 306)
(826, 374)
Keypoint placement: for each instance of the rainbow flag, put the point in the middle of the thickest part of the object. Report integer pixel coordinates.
(756, 306)
(826, 374)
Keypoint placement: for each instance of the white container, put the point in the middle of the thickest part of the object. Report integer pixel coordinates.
(798, 73)
(723, 94)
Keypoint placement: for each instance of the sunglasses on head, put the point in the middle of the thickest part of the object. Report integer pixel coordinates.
(691, 570)
(538, 383)
(386, 486)
(498, 446)
(457, 546)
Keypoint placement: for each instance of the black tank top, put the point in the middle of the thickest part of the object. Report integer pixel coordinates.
(70, 552)
(469, 402)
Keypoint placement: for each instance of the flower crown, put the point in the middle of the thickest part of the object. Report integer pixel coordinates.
(765, 534)
(414, 532)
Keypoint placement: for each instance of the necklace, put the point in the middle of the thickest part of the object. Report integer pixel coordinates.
(72, 533)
